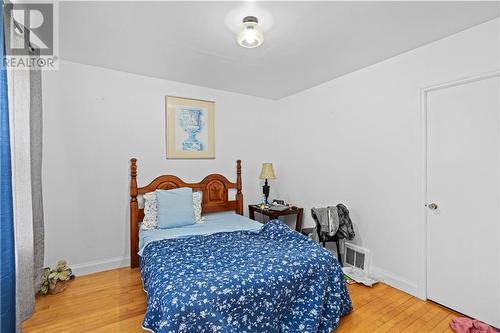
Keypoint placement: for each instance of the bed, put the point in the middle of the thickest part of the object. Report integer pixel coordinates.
(232, 274)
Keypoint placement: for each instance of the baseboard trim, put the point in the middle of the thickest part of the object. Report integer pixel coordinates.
(395, 281)
(100, 265)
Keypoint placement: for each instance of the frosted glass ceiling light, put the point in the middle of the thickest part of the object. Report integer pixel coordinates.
(250, 35)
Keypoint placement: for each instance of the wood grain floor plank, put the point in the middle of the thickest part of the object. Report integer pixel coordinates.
(114, 301)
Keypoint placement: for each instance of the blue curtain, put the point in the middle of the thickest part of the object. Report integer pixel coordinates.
(7, 260)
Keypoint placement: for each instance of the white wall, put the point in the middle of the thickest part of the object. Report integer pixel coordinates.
(357, 140)
(95, 120)
(354, 140)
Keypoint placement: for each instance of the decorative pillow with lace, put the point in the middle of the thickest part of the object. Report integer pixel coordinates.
(150, 211)
(197, 196)
(150, 220)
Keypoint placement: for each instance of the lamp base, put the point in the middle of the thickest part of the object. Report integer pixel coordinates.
(265, 191)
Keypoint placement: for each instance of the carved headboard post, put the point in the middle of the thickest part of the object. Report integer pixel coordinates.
(134, 208)
(239, 195)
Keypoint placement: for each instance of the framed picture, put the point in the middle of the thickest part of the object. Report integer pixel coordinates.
(189, 128)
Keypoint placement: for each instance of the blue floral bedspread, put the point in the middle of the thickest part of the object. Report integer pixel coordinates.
(273, 281)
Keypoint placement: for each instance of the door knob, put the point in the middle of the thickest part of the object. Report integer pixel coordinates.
(432, 206)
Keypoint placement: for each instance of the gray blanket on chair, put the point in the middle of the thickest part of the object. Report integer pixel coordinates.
(333, 220)
(328, 219)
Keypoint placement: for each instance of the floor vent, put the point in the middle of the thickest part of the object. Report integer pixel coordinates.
(357, 256)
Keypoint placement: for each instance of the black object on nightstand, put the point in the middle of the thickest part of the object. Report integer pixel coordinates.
(274, 214)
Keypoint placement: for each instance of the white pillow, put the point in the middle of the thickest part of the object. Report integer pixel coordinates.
(150, 213)
(150, 220)
(197, 196)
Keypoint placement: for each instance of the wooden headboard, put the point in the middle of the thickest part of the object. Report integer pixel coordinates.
(215, 190)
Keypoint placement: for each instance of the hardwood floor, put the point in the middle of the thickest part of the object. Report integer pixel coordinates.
(386, 309)
(114, 301)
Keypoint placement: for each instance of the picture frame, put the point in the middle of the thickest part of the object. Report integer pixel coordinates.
(189, 128)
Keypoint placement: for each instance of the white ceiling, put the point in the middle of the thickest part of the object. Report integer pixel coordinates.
(306, 43)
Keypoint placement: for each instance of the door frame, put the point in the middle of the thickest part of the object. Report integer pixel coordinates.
(423, 211)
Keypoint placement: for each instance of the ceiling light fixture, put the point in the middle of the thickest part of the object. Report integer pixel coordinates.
(250, 35)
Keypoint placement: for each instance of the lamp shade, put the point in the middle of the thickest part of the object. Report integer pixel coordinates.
(267, 171)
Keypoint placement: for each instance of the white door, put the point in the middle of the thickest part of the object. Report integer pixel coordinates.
(463, 252)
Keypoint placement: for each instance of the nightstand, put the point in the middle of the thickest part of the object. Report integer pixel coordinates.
(273, 214)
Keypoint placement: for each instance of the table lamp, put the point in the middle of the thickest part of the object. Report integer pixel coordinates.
(267, 173)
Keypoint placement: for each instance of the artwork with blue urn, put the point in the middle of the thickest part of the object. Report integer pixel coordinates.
(190, 132)
(191, 120)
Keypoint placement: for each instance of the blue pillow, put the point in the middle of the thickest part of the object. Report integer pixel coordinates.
(175, 207)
